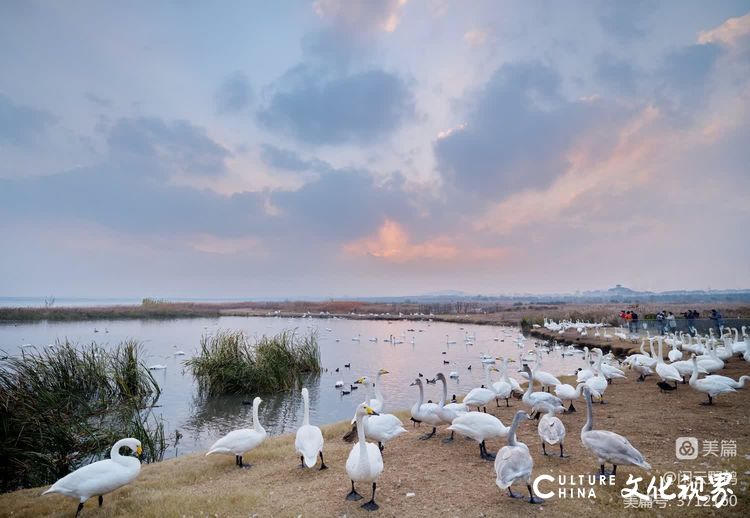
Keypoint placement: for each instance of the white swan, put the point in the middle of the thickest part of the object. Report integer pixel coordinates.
(448, 412)
(381, 427)
(514, 462)
(425, 412)
(609, 446)
(102, 477)
(728, 381)
(480, 396)
(238, 442)
(674, 354)
(503, 388)
(711, 388)
(567, 393)
(541, 400)
(309, 440)
(666, 372)
(365, 462)
(598, 383)
(480, 427)
(552, 430)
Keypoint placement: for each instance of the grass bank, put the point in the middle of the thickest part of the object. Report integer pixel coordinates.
(66, 405)
(446, 479)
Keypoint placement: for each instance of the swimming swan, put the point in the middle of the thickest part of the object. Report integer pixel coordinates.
(609, 446)
(365, 462)
(514, 462)
(102, 477)
(309, 440)
(238, 442)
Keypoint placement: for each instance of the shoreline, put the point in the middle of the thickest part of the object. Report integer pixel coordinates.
(446, 479)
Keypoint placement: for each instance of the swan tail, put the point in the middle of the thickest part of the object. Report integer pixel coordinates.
(217, 450)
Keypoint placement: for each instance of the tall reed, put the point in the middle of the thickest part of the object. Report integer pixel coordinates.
(65, 406)
(229, 364)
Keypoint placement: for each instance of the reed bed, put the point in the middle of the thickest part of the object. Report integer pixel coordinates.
(228, 363)
(65, 406)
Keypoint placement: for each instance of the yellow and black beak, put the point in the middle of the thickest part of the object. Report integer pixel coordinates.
(370, 411)
(383, 371)
(139, 451)
(360, 381)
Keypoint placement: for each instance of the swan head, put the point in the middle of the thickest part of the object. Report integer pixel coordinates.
(383, 371)
(363, 409)
(257, 401)
(440, 376)
(134, 445)
(362, 380)
(495, 369)
(417, 382)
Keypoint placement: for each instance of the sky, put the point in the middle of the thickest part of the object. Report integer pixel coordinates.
(337, 148)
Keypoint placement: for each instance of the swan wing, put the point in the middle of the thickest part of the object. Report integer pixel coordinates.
(98, 478)
(612, 447)
(513, 463)
(383, 427)
(237, 442)
(551, 429)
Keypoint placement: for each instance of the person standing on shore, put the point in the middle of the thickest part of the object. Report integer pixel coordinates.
(634, 320)
(718, 320)
(672, 323)
(660, 321)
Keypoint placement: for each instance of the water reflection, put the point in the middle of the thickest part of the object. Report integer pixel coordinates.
(404, 348)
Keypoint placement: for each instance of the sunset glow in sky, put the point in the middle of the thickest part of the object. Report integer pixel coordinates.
(344, 148)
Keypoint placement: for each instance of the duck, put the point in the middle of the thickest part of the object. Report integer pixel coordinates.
(448, 411)
(365, 462)
(425, 412)
(711, 388)
(479, 397)
(480, 427)
(309, 439)
(609, 447)
(551, 429)
(239, 442)
(514, 462)
(102, 477)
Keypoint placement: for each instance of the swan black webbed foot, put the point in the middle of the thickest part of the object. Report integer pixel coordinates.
(514, 495)
(448, 439)
(322, 463)
(428, 435)
(562, 453)
(371, 505)
(533, 499)
(101, 500)
(353, 495)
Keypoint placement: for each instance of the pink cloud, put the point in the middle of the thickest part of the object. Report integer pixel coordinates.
(391, 243)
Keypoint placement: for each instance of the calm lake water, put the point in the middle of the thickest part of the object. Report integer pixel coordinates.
(202, 421)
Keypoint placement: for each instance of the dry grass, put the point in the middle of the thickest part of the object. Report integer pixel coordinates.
(447, 479)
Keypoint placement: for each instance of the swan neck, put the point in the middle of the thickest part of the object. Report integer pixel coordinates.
(513, 427)
(363, 458)
(378, 394)
(445, 393)
(589, 415)
(256, 422)
(114, 454)
(306, 400)
(421, 394)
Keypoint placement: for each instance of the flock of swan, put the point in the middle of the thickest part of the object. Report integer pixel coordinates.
(513, 462)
